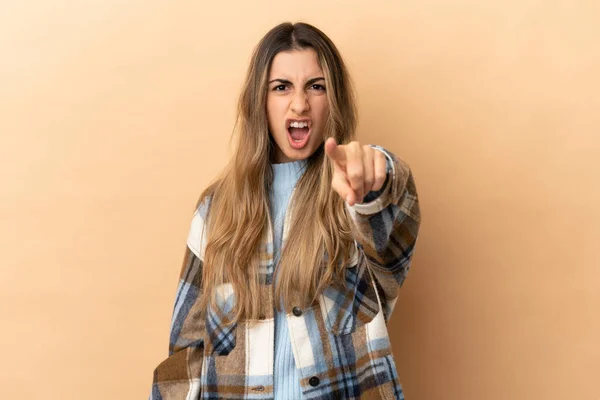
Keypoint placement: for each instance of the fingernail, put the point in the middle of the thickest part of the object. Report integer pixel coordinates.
(348, 198)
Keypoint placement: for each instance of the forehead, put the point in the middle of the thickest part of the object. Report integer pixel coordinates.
(299, 64)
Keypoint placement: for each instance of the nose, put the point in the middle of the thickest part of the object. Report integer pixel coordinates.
(300, 102)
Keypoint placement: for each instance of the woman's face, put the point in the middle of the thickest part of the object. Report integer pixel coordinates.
(297, 106)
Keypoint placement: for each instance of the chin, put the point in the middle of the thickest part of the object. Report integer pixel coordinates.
(302, 154)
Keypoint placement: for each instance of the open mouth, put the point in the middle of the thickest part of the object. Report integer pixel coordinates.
(298, 133)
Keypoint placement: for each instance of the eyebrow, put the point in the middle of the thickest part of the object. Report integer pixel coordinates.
(308, 82)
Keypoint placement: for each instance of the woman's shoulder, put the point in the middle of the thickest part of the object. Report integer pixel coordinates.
(202, 206)
(204, 201)
(197, 233)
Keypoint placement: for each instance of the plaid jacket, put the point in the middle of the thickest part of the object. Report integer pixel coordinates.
(340, 345)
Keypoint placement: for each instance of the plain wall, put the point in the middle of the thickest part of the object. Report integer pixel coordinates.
(115, 115)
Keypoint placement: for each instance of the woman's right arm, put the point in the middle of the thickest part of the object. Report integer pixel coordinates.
(178, 376)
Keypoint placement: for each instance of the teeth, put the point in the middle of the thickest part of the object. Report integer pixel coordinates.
(296, 124)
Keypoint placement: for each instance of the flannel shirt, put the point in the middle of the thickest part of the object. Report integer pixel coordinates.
(340, 344)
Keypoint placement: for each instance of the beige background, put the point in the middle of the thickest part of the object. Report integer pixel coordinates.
(114, 115)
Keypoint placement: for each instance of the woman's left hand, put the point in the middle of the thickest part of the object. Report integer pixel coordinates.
(358, 169)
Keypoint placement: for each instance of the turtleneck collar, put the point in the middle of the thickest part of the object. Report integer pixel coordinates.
(286, 175)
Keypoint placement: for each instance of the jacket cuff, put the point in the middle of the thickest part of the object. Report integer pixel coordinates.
(376, 201)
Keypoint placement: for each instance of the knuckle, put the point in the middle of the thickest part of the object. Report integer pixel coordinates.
(355, 175)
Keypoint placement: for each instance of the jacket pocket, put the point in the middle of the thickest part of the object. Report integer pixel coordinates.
(353, 303)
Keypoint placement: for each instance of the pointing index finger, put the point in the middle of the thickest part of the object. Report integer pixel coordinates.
(334, 151)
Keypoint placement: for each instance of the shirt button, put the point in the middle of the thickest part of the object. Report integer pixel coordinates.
(314, 381)
(297, 311)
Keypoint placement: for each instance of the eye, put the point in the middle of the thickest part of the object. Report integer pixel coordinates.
(279, 88)
(318, 87)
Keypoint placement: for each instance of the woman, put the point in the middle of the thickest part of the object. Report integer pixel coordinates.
(297, 251)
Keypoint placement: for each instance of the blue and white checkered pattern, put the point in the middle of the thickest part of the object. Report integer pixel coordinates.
(341, 345)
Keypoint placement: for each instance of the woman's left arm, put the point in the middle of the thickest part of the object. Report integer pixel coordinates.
(382, 200)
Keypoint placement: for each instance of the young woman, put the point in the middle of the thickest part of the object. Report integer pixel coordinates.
(298, 249)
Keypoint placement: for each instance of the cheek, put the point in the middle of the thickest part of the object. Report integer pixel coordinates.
(320, 113)
(270, 110)
(275, 112)
(321, 108)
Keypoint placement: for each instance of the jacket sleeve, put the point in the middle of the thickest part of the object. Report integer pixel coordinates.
(178, 376)
(386, 226)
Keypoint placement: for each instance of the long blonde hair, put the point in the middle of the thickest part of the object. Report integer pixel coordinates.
(320, 242)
